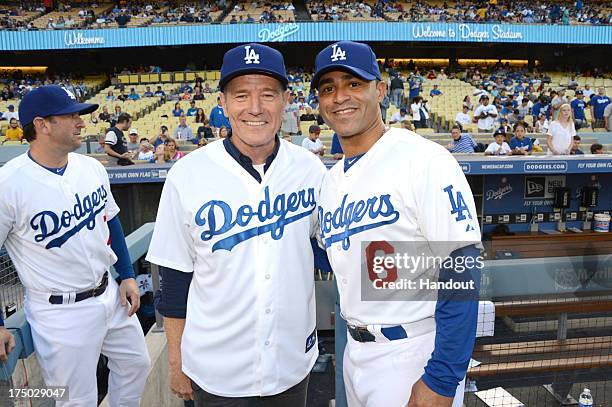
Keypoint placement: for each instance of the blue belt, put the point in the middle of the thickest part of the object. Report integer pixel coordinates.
(392, 333)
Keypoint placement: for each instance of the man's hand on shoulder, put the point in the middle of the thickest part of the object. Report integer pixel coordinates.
(423, 396)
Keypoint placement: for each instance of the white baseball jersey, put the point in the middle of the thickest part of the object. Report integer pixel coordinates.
(55, 226)
(250, 326)
(405, 188)
(488, 122)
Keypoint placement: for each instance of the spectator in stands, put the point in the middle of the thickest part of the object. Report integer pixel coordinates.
(524, 109)
(115, 145)
(308, 115)
(160, 154)
(384, 106)
(588, 92)
(116, 114)
(145, 152)
(414, 85)
(200, 116)
(122, 96)
(218, 118)
(336, 148)
(597, 148)
(10, 113)
(485, 115)
(171, 152)
(110, 96)
(541, 125)
(133, 144)
(14, 132)
(93, 118)
(499, 147)
(148, 93)
(177, 111)
(122, 19)
(520, 145)
(313, 143)
(463, 118)
(162, 137)
(198, 95)
(504, 126)
(100, 149)
(185, 88)
(207, 88)
(468, 102)
(223, 132)
(557, 102)
(561, 132)
(608, 117)
(572, 83)
(578, 105)
(159, 92)
(182, 131)
(192, 109)
(396, 90)
(104, 115)
(290, 125)
(575, 150)
(415, 108)
(435, 91)
(204, 131)
(598, 104)
(462, 143)
(399, 116)
(133, 95)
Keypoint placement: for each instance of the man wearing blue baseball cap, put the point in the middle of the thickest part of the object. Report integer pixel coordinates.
(59, 223)
(407, 346)
(238, 243)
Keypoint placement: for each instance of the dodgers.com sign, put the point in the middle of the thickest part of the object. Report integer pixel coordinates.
(545, 167)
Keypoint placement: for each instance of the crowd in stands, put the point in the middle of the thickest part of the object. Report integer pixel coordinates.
(167, 12)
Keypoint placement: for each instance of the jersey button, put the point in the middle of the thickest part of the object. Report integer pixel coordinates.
(268, 310)
(344, 281)
(267, 343)
(268, 276)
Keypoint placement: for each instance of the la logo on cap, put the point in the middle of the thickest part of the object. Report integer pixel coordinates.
(69, 93)
(251, 56)
(337, 53)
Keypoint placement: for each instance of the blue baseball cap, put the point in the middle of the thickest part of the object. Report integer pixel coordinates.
(252, 58)
(354, 57)
(50, 100)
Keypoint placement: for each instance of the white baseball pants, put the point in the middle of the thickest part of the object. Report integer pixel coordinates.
(69, 338)
(382, 374)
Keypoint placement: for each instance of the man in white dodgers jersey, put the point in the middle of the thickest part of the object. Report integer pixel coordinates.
(392, 186)
(58, 220)
(238, 287)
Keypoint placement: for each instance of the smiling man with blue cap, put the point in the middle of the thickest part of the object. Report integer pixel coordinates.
(238, 243)
(60, 225)
(392, 189)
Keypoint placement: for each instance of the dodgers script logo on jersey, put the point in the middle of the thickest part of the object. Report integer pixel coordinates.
(83, 213)
(379, 209)
(221, 219)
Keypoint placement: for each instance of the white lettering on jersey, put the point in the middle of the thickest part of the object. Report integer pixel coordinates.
(338, 54)
(251, 57)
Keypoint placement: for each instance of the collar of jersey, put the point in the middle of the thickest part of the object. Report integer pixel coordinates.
(246, 162)
(349, 162)
(57, 171)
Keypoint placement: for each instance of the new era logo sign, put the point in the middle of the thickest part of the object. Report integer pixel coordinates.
(251, 57)
(337, 53)
(533, 187)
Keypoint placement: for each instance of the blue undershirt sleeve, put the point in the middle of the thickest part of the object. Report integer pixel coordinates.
(456, 317)
(123, 266)
(172, 300)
